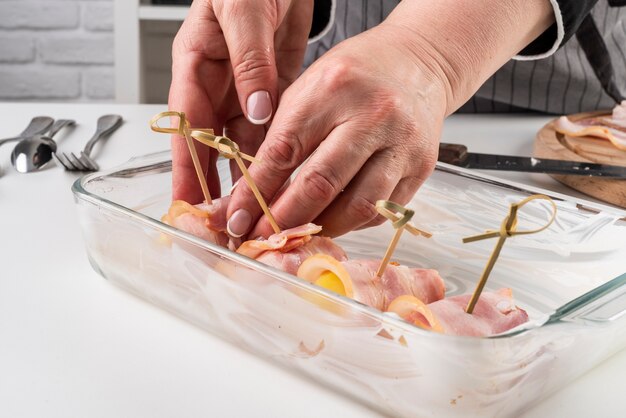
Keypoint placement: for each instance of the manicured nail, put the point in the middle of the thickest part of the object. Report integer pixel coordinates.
(239, 223)
(259, 107)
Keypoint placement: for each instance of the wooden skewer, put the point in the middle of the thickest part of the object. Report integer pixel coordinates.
(229, 149)
(409, 227)
(492, 262)
(197, 166)
(390, 249)
(225, 146)
(183, 130)
(400, 217)
(257, 194)
(507, 229)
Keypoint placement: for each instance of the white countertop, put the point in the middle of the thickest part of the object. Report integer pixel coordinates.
(73, 345)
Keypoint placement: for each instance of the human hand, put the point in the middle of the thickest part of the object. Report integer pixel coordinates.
(231, 61)
(369, 116)
(372, 110)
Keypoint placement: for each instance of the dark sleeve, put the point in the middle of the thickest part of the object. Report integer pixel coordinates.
(321, 16)
(569, 16)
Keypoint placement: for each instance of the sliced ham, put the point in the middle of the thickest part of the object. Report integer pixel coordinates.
(358, 280)
(619, 114)
(494, 313)
(612, 128)
(299, 251)
(287, 250)
(204, 221)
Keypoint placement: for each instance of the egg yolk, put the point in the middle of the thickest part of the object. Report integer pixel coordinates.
(331, 281)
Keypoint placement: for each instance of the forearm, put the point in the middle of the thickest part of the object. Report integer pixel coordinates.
(465, 42)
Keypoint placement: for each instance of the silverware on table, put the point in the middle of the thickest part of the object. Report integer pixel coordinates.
(106, 126)
(32, 153)
(38, 125)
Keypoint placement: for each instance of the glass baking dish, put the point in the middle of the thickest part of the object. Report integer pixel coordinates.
(570, 279)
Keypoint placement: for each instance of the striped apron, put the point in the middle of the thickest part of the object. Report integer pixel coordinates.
(587, 73)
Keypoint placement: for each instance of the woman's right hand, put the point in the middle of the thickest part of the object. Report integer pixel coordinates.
(231, 62)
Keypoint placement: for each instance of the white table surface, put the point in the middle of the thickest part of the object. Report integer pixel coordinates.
(73, 345)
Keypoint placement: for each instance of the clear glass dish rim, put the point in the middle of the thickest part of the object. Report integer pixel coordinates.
(583, 301)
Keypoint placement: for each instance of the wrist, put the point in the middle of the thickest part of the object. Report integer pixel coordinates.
(421, 82)
(423, 68)
(463, 43)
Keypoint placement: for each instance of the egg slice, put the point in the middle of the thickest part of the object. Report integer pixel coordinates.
(413, 310)
(325, 271)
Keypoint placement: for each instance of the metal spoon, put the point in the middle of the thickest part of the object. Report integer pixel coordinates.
(38, 125)
(31, 154)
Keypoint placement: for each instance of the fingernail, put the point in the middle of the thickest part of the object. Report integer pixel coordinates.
(239, 223)
(259, 107)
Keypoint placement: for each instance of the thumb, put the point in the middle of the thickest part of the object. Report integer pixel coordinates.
(248, 27)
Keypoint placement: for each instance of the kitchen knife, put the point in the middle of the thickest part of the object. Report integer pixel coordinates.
(457, 154)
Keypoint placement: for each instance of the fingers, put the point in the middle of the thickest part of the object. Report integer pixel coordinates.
(185, 182)
(296, 131)
(188, 95)
(320, 180)
(225, 44)
(248, 27)
(421, 163)
(357, 205)
(200, 81)
(291, 41)
(402, 194)
(248, 136)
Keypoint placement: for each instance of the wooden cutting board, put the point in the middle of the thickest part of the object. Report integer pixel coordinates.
(552, 144)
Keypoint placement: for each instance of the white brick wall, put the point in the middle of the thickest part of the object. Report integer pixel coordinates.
(59, 50)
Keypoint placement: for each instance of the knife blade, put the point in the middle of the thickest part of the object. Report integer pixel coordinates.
(457, 154)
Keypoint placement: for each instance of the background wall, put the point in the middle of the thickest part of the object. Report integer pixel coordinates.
(57, 50)
(157, 40)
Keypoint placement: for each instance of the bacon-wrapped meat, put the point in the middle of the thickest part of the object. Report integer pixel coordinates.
(357, 279)
(612, 128)
(494, 313)
(287, 250)
(204, 221)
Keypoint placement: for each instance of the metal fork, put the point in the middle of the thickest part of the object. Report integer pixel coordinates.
(106, 126)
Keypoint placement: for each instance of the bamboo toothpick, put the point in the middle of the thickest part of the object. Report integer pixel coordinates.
(225, 146)
(198, 167)
(400, 217)
(229, 149)
(257, 194)
(390, 250)
(507, 229)
(183, 130)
